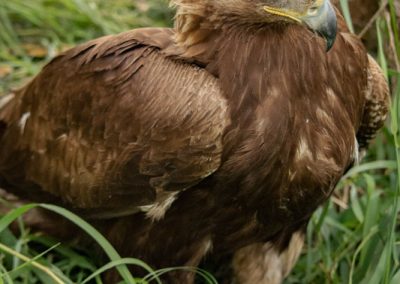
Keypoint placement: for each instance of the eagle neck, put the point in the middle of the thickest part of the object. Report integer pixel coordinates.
(253, 62)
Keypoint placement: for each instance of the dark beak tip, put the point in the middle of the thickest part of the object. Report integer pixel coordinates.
(331, 30)
(330, 43)
(328, 29)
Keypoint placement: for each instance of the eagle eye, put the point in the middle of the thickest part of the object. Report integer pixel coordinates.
(313, 11)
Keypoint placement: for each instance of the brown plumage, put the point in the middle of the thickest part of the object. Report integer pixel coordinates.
(219, 137)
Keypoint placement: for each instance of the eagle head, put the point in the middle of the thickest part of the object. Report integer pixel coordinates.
(318, 15)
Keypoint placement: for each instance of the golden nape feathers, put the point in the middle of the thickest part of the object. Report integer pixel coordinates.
(216, 139)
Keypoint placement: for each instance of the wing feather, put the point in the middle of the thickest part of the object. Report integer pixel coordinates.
(114, 125)
(377, 100)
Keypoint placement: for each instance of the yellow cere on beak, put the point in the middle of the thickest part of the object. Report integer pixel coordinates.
(288, 13)
(283, 13)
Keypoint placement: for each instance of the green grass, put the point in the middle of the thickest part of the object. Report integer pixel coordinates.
(354, 238)
(72, 267)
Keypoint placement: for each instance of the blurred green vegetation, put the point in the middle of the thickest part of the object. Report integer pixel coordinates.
(354, 238)
(32, 32)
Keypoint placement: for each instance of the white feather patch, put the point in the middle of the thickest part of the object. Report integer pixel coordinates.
(157, 210)
(22, 122)
(5, 100)
(303, 150)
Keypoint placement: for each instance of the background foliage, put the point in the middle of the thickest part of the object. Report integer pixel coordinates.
(353, 239)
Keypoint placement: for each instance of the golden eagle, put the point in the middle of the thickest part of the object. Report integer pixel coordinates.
(219, 136)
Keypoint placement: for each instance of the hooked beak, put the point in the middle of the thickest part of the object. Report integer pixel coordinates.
(320, 18)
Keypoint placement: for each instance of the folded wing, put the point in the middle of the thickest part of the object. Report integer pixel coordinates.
(113, 125)
(376, 108)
